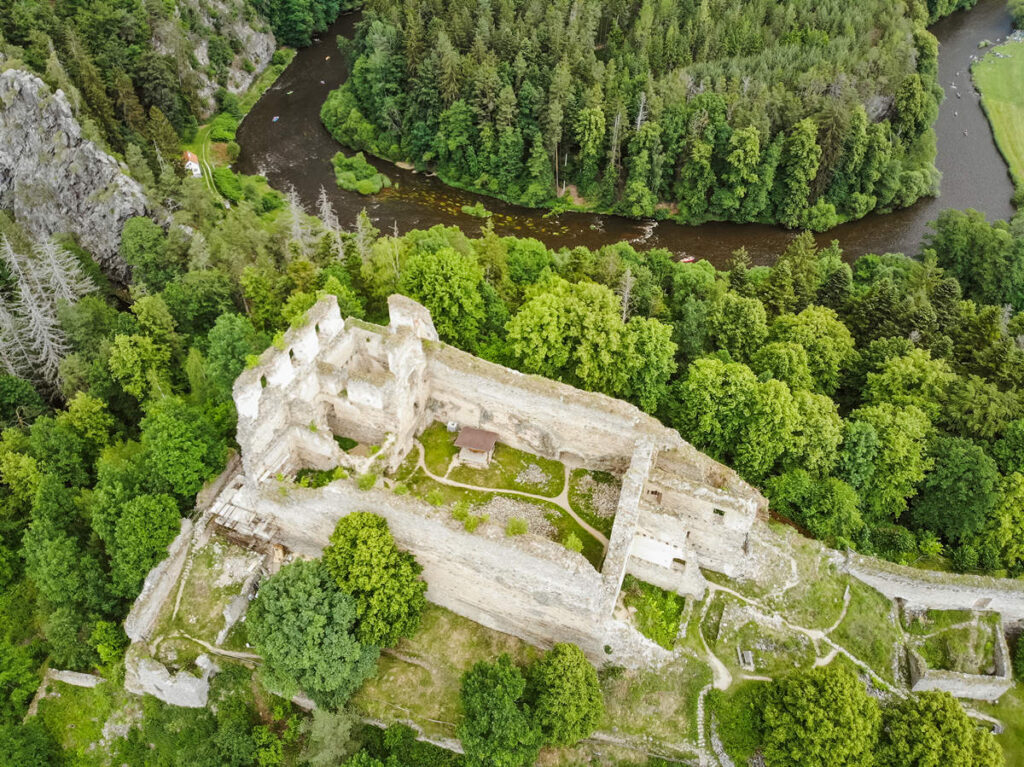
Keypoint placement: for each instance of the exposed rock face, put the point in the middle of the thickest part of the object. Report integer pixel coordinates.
(57, 181)
(235, 22)
(145, 676)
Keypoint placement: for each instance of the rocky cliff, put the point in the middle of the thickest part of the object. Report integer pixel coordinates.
(55, 180)
(233, 21)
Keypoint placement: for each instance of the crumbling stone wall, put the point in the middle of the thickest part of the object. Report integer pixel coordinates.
(939, 591)
(975, 686)
(679, 510)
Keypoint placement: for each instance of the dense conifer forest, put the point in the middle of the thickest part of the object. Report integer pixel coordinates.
(804, 114)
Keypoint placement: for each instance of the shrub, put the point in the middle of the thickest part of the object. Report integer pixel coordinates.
(516, 526)
(435, 497)
(367, 481)
(355, 174)
(223, 127)
(965, 558)
(478, 210)
(1018, 659)
(573, 543)
(471, 523)
(400, 488)
(1017, 12)
(461, 511)
(228, 184)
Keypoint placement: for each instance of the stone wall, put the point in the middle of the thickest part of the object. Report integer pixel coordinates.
(159, 583)
(974, 686)
(54, 179)
(527, 586)
(939, 591)
(383, 385)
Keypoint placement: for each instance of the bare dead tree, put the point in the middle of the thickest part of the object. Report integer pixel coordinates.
(59, 271)
(297, 221)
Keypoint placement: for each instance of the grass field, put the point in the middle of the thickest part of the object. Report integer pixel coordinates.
(999, 80)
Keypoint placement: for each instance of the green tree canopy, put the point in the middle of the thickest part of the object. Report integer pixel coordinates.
(146, 526)
(447, 282)
(498, 728)
(930, 729)
(383, 582)
(304, 627)
(822, 717)
(566, 696)
(958, 494)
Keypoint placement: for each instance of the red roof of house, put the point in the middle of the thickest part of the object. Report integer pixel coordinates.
(190, 157)
(476, 439)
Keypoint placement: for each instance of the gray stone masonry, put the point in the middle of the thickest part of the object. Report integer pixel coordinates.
(678, 510)
(976, 686)
(939, 591)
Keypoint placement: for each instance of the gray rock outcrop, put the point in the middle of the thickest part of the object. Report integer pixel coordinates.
(54, 179)
(233, 21)
(146, 676)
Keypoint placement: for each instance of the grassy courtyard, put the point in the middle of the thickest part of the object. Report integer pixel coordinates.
(999, 79)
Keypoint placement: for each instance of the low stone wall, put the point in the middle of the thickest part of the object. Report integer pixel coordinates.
(156, 589)
(974, 686)
(939, 591)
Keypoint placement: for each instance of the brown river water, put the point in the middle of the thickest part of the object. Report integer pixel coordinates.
(296, 151)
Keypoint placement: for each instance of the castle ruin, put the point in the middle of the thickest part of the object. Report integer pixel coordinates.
(678, 511)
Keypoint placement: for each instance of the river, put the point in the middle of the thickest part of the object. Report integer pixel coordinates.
(296, 151)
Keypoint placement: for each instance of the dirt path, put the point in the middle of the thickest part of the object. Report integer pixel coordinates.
(562, 500)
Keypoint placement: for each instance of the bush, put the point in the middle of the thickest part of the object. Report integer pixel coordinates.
(233, 151)
(223, 127)
(1016, 8)
(516, 526)
(473, 522)
(228, 184)
(1018, 659)
(435, 497)
(367, 481)
(478, 210)
(355, 174)
(573, 543)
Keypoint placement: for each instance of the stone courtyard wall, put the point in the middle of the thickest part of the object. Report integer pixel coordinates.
(526, 586)
(974, 686)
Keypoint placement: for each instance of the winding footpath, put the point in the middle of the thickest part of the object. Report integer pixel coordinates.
(561, 500)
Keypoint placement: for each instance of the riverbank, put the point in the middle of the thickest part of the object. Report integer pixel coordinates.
(1000, 78)
(296, 150)
(214, 154)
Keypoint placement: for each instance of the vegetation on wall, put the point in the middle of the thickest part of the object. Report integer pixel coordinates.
(798, 113)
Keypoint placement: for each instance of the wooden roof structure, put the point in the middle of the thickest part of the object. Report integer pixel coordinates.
(478, 440)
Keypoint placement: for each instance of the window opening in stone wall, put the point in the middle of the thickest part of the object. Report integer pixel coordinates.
(655, 494)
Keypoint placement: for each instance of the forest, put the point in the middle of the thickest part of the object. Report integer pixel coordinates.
(800, 113)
